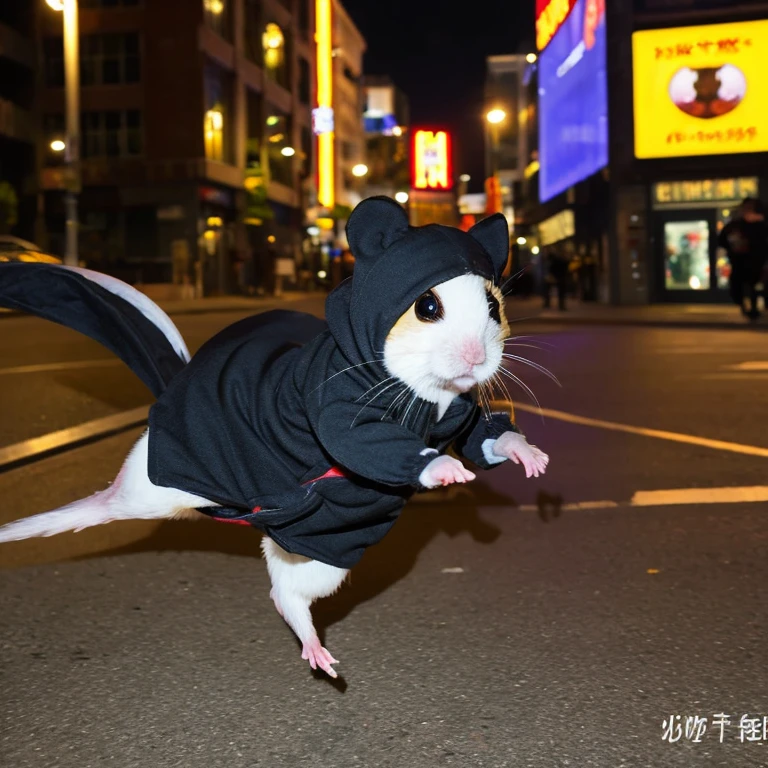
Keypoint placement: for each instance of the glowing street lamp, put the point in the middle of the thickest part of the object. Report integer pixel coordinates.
(71, 146)
(359, 170)
(496, 116)
(57, 145)
(288, 151)
(401, 197)
(531, 58)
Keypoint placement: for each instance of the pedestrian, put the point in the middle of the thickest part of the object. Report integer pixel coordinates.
(745, 240)
(557, 274)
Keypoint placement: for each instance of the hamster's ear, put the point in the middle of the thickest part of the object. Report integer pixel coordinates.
(374, 225)
(493, 234)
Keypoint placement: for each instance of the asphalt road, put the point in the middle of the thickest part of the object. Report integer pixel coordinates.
(504, 626)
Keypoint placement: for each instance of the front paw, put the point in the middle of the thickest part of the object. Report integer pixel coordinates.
(444, 470)
(516, 448)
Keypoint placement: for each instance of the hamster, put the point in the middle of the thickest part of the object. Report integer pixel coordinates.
(318, 434)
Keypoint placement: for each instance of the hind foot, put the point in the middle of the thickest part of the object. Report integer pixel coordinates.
(318, 656)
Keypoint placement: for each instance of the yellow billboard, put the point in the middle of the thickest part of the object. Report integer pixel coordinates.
(701, 90)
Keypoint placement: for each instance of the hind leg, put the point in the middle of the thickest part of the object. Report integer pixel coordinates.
(296, 583)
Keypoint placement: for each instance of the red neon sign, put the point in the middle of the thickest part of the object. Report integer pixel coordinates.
(431, 166)
(550, 16)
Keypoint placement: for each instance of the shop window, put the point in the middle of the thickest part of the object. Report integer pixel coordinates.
(216, 128)
(279, 149)
(218, 17)
(275, 55)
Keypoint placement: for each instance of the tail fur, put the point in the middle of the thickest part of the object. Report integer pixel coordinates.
(132, 496)
(94, 510)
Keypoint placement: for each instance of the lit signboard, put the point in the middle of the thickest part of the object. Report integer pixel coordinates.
(573, 101)
(550, 16)
(701, 90)
(431, 160)
(704, 191)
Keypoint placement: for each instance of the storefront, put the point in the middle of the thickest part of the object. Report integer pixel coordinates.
(687, 217)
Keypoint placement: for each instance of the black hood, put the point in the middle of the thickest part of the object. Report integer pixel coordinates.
(395, 263)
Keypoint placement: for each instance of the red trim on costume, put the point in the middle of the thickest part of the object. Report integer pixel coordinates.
(332, 472)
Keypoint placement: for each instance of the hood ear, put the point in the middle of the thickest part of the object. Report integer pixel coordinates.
(374, 225)
(493, 234)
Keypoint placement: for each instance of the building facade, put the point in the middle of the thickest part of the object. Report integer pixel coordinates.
(645, 129)
(18, 126)
(196, 139)
(386, 118)
(349, 138)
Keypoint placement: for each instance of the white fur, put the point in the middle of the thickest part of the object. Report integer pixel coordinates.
(142, 302)
(297, 582)
(427, 357)
(132, 496)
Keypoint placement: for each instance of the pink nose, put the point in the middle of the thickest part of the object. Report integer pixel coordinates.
(472, 352)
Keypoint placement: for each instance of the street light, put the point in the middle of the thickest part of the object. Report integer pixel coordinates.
(496, 116)
(72, 143)
(401, 197)
(531, 58)
(359, 170)
(57, 145)
(288, 151)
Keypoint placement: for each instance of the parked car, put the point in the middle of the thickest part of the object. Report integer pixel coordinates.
(15, 249)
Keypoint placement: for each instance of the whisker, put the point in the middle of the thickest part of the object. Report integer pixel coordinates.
(501, 384)
(522, 385)
(538, 367)
(370, 389)
(367, 362)
(513, 277)
(393, 384)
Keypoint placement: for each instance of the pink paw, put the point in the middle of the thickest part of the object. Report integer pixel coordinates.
(317, 656)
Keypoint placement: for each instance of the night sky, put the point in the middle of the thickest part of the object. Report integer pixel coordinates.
(437, 57)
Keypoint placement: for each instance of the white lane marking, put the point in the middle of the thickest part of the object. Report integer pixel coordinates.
(571, 507)
(36, 446)
(735, 495)
(677, 437)
(72, 365)
(751, 365)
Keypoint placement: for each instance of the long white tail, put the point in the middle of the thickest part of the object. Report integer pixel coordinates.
(94, 510)
(132, 496)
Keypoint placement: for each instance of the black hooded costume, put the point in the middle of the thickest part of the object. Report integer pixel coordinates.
(286, 422)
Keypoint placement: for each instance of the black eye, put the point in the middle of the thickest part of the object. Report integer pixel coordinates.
(493, 307)
(428, 307)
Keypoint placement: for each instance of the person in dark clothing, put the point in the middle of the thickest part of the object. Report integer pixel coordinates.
(745, 239)
(557, 277)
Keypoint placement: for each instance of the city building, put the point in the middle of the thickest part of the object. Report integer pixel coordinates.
(349, 136)
(386, 118)
(195, 139)
(647, 141)
(18, 127)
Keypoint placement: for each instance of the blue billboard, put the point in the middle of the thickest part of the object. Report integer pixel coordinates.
(573, 101)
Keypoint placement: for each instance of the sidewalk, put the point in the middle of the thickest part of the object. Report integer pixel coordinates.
(713, 316)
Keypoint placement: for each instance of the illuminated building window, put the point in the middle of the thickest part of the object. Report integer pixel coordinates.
(217, 16)
(253, 142)
(280, 152)
(273, 43)
(216, 118)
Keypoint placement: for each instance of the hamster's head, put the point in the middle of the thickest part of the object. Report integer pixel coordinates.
(450, 339)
